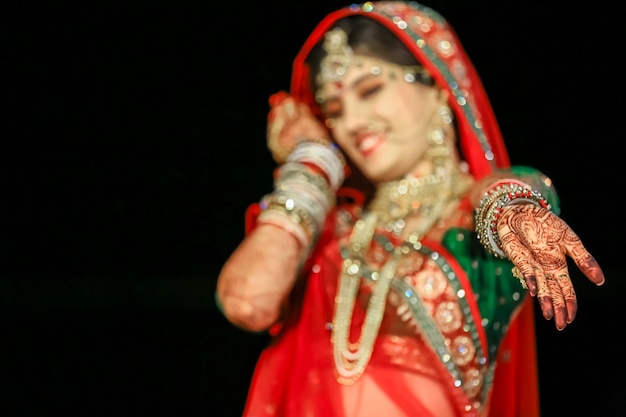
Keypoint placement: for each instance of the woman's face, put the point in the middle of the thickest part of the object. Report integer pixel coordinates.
(380, 120)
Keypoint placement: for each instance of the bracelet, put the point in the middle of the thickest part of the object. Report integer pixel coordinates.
(323, 155)
(297, 202)
(327, 143)
(499, 195)
(287, 207)
(279, 219)
(304, 188)
(297, 173)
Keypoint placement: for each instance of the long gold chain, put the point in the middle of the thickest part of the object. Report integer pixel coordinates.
(427, 197)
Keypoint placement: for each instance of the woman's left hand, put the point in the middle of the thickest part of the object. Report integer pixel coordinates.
(537, 241)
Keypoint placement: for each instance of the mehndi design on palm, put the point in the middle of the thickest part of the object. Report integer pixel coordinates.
(538, 242)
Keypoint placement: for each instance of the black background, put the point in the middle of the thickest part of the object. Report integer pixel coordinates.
(136, 139)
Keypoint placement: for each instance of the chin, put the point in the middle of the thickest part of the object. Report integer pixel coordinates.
(378, 176)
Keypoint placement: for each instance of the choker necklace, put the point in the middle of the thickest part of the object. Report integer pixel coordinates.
(411, 195)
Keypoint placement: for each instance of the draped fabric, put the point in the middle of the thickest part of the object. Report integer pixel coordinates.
(295, 375)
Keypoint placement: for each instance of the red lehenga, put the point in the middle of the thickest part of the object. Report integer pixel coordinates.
(295, 375)
(458, 325)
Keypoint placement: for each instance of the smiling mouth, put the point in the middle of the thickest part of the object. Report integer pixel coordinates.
(368, 143)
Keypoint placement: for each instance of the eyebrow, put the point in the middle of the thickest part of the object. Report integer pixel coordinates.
(361, 78)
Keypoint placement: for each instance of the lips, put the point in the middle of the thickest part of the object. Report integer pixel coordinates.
(368, 143)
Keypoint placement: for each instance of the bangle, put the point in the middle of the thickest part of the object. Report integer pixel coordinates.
(299, 216)
(299, 203)
(499, 195)
(279, 219)
(322, 154)
(327, 143)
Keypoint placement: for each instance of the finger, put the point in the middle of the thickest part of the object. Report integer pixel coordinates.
(558, 302)
(283, 112)
(583, 259)
(569, 295)
(526, 272)
(521, 257)
(585, 262)
(544, 294)
(274, 129)
(530, 277)
(289, 109)
(277, 98)
(271, 115)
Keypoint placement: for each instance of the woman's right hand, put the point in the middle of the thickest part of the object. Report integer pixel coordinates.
(289, 121)
(257, 278)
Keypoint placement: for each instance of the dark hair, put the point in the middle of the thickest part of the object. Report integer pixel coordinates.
(366, 37)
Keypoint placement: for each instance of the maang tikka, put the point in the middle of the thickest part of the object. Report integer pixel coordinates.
(338, 57)
(334, 65)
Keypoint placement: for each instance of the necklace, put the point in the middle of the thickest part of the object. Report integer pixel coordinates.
(425, 200)
(420, 198)
(349, 361)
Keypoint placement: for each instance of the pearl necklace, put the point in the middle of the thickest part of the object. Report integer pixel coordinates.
(425, 199)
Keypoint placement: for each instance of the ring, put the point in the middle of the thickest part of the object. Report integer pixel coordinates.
(517, 274)
(290, 110)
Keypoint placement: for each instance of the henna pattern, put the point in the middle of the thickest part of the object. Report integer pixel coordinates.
(537, 241)
(590, 267)
(539, 234)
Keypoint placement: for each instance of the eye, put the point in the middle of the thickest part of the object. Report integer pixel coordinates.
(370, 91)
(369, 88)
(332, 109)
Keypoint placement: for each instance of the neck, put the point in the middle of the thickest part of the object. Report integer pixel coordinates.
(423, 199)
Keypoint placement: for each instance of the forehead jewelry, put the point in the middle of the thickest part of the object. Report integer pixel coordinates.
(335, 64)
(339, 57)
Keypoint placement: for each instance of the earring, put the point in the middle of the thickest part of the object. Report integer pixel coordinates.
(439, 136)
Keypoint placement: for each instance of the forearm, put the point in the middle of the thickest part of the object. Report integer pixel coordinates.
(257, 278)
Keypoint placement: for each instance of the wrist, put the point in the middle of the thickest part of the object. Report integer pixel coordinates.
(498, 195)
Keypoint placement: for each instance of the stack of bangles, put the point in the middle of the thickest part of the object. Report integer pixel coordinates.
(501, 194)
(304, 190)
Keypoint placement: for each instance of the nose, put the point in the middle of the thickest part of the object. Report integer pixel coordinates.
(356, 117)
